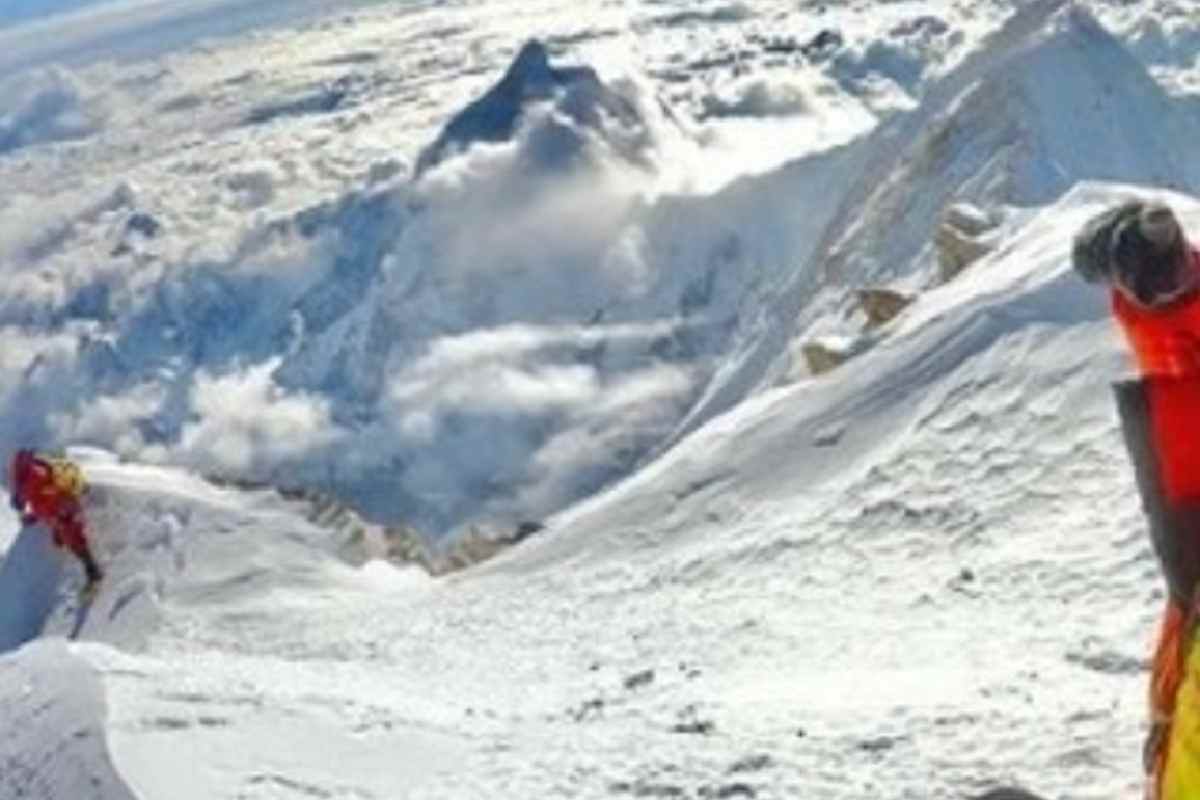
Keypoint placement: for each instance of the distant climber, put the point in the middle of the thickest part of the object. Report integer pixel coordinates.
(1139, 250)
(49, 491)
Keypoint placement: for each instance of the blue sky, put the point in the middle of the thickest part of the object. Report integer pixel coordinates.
(24, 10)
(130, 29)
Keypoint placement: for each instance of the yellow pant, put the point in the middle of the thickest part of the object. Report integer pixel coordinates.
(1181, 773)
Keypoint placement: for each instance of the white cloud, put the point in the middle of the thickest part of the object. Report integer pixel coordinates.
(495, 215)
(524, 369)
(759, 96)
(47, 106)
(520, 340)
(646, 394)
(597, 442)
(499, 388)
(111, 420)
(246, 424)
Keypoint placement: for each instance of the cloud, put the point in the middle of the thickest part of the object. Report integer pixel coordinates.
(515, 369)
(602, 441)
(643, 395)
(51, 105)
(487, 213)
(112, 420)
(502, 218)
(509, 371)
(245, 424)
(762, 96)
(505, 389)
(516, 421)
(525, 339)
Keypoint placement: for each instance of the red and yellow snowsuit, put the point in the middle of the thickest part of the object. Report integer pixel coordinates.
(40, 497)
(1161, 419)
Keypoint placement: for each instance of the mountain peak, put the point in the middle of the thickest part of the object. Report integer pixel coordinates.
(577, 92)
(531, 64)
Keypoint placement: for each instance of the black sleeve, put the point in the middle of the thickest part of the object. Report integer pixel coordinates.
(1174, 528)
(1092, 249)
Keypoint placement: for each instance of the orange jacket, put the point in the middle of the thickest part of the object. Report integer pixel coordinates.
(35, 493)
(33, 486)
(1166, 343)
(1160, 415)
(1165, 340)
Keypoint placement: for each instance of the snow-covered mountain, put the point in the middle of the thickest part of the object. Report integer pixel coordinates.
(576, 93)
(572, 281)
(958, 493)
(558, 259)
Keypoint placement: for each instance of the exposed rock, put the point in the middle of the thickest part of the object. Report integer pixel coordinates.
(478, 545)
(882, 305)
(961, 239)
(969, 219)
(363, 541)
(823, 357)
(525, 530)
(358, 540)
(405, 545)
(472, 548)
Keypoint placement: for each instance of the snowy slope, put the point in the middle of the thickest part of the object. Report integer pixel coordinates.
(959, 494)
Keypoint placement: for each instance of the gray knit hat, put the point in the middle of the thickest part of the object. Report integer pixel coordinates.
(1137, 247)
(1158, 225)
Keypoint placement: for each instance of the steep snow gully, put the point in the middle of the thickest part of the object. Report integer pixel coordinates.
(919, 574)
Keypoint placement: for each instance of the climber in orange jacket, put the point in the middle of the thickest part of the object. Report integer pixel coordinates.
(38, 494)
(1140, 251)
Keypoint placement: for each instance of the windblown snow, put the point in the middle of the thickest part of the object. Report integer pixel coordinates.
(495, 264)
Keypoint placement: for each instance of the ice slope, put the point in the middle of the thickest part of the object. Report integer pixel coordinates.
(918, 576)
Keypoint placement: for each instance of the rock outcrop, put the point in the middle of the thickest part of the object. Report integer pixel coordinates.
(881, 305)
(962, 239)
